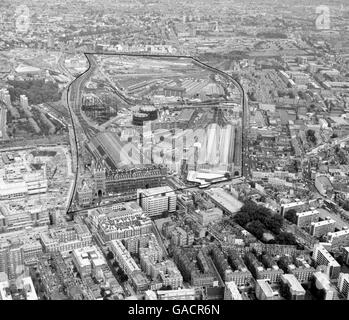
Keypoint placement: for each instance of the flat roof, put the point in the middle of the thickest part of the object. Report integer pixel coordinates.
(226, 200)
(293, 282)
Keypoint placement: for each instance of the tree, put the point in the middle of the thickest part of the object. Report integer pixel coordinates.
(346, 206)
(242, 218)
(256, 228)
(110, 255)
(291, 216)
(274, 224)
(286, 238)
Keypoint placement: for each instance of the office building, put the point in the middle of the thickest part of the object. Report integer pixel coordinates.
(156, 201)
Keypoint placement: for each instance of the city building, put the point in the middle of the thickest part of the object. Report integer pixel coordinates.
(343, 284)
(272, 273)
(240, 275)
(346, 255)
(128, 179)
(15, 216)
(21, 289)
(120, 221)
(291, 287)
(18, 180)
(66, 238)
(231, 291)
(11, 259)
(88, 261)
(323, 286)
(156, 201)
(264, 291)
(224, 200)
(211, 215)
(297, 206)
(320, 228)
(303, 273)
(129, 266)
(339, 238)
(150, 295)
(84, 195)
(323, 258)
(179, 237)
(179, 294)
(304, 219)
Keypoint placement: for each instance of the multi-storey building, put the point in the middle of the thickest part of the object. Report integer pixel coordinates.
(88, 260)
(343, 284)
(179, 294)
(303, 273)
(346, 255)
(291, 287)
(67, 238)
(121, 221)
(128, 179)
(179, 237)
(231, 291)
(241, 275)
(321, 228)
(339, 238)
(323, 258)
(15, 217)
(321, 283)
(155, 201)
(272, 274)
(305, 218)
(298, 206)
(264, 291)
(129, 266)
(11, 259)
